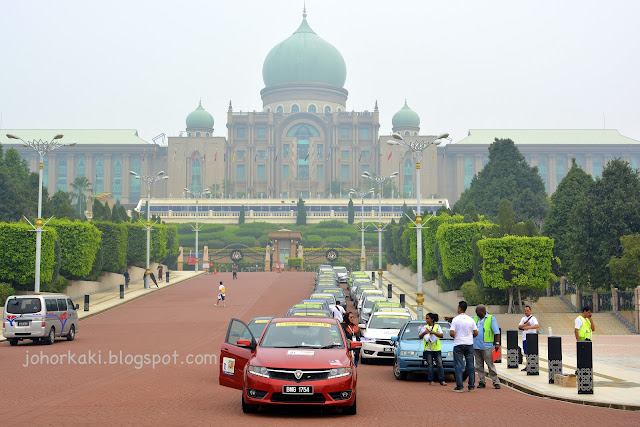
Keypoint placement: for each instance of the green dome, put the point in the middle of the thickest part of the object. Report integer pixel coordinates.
(304, 57)
(200, 119)
(405, 117)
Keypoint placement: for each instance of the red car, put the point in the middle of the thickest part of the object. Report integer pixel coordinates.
(296, 361)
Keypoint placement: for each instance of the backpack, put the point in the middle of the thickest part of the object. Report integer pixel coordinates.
(223, 290)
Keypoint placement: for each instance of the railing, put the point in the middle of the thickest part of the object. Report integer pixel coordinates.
(605, 301)
(586, 300)
(626, 301)
(555, 289)
(571, 289)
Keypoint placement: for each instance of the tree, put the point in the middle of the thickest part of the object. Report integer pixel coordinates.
(215, 190)
(610, 210)
(507, 176)
(470, 214)
(81, 186)
(350, 212)
(625, 270)
(18, 188)
(559, 225)
(241, 217)
(506, 219)
(62, 206)
(301, 218)
(334, 188)
(390, 189)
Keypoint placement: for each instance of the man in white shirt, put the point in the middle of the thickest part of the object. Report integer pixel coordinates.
(463, 330)
(338, 312)
(528, 325)
(221, 295)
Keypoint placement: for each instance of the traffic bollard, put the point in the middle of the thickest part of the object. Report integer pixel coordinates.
(512, 349)
(402, 300)
(121, 291)
(167, 275)
(585, 367)
(86, 302)
(389, 290)
(533, 359)
(373, 277)
(555, 357)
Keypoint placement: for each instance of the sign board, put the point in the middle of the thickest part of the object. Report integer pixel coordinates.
(191, 261)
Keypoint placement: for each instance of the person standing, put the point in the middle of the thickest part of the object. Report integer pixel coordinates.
(127, 277)
(584, 325)
(160, 268)
(235, 270)
(431, 334)
(222, 294)
(488, 338)
(338, 311)
(352, 332)
(528, 325)
(463, 330)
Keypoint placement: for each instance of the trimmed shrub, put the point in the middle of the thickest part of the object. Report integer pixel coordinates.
(454, 242)
(136, 245)
(472, 293)
(18, 260)
(295, 262)
(58, 286)
(159, 240)
(114, 246)
(173, 248)
(338, 240)
(312, 241)
(79, 244)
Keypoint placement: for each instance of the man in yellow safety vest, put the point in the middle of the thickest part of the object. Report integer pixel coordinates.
(487, 340)
(584, 325)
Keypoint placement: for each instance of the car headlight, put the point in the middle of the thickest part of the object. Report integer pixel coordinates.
(408, 353)
(260, 371)
(339, 372)
(449, 353)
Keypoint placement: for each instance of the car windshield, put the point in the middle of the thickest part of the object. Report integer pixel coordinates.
(328, 297)
(412, 331)
(388, 321)
(342, 270)
(302, 334)
(369, 303)
(23, 305)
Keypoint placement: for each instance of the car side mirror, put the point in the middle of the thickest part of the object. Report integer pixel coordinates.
(250, 344)
(394, 339)
(354, 344)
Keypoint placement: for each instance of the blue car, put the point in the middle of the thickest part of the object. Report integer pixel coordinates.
(409, 350)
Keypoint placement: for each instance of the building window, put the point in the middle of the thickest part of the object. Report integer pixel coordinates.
(407, 133)
(241, 132)
(207, 134)
(189, 133)
(311, 108)
(261, 154)
(239, 156)
(344, 132)
(285, 151)
(303, 171)
(408, 178)
(261, 172)
(327, 110)
(468, 172)
(261, 132)
(597, 168)
(364, 133)
(344, 172)
(365, 168)
(364, 156)
(415, 134)
(320, 150)
(196, 177)
(633, 163)
(285, 171)
(344, 155)
(240, 172)
(268, 110)
(197, 134)
(542, 171)
(45, 172)
(98, 181)
(295, 108)
(560, 170)
(580, 161)
(62, 174)
(80, 168)
(134, 184)
(280, 109)
(320, 172)
(116, 183)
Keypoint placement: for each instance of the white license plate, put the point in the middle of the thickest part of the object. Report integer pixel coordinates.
(388, 349)
(23, 323)
(297, 389)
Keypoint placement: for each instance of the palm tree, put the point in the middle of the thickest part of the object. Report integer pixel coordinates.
(81, 186)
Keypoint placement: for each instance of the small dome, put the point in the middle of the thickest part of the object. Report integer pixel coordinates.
(199, 119)
(304, 57)
(406, 117)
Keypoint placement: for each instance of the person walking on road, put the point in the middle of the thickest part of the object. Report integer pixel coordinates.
(584, 325)
(222, 294)
(463, 330)
(431, 334)
(235, 270)
(353, 333)
(127, 277)
(528, 325)
(338, 311)
(160, 268)
(488, 338)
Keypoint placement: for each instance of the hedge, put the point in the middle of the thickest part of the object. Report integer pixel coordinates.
(79, 244)
(136, 245)
(295, 262)
(159, 240)
(5, 292)
(454, 242)
(311, 241)
(18, 260)
(114, 246)
(338, 240)
(173, 247)
(429, 266)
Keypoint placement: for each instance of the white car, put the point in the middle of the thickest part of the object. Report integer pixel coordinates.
(342, 272)
(368, 302)
(376, 339)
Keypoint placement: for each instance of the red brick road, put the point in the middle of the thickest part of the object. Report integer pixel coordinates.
(183, 319)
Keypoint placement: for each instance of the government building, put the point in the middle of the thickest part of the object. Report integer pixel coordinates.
(304, 143)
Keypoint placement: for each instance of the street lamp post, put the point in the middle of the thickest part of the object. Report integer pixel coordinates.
(149, 179)
(197, 195)
(415, 148)
(362, 195)
(42, 148)
(380, 180)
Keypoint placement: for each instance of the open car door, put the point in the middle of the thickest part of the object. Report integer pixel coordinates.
(233, 358)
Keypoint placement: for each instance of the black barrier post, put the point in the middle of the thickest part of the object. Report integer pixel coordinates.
(554, 357)
(389, 290)
(512, 349)
(373, 277)
(499, 359)
(585, 367)
(121, 291)
(402, 303)
(86, 302)
(533, 359)
(167, 276)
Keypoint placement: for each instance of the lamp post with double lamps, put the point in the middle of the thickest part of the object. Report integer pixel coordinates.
(362, 195)
(380, 180)
(149, 179)
(197, 195)
(42, 148)
(415, 148)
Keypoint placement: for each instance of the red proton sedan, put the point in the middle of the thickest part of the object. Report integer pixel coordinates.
(296, 361)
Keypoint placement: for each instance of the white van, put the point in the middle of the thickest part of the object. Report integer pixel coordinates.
(39, 317)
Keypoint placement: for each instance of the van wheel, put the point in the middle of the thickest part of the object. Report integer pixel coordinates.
(350, 410)
(400, 375)
(52, 337)
(72, 333)
(13, 341)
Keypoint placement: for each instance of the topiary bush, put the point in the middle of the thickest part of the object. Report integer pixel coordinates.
(312, 241)
(79, 244)
(472, 293)
(5, 292)
(338, 240)
(114, 245)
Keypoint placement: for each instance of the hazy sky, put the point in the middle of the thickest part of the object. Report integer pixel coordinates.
(460, 64)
